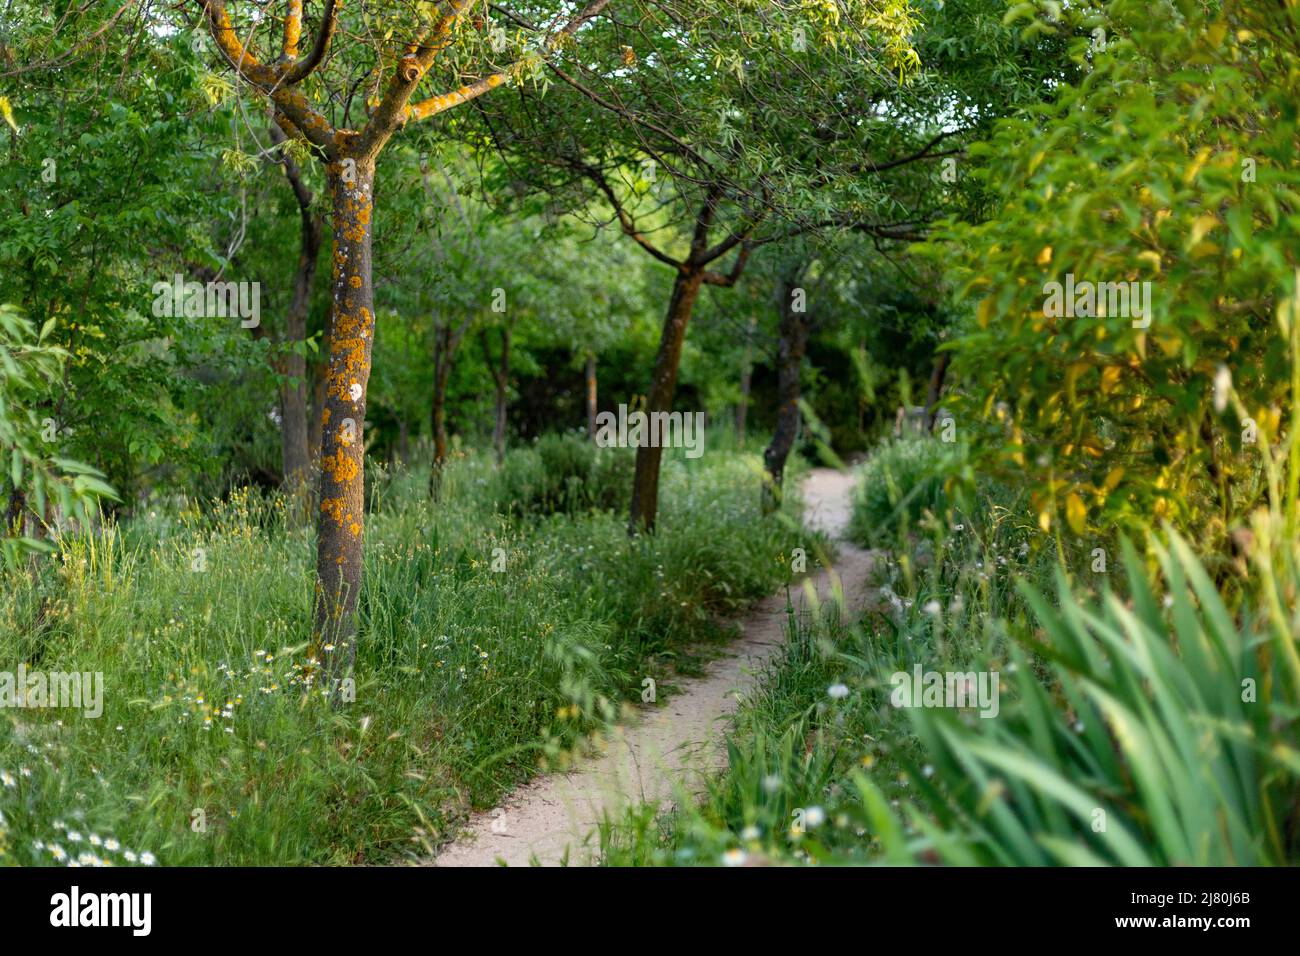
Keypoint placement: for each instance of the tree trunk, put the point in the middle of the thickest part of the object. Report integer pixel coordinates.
(341, 521)
(295, 447)
(935, 390)
(591, 394)
(645, 482)
(746, 377)
(792, 344)
(438, 411)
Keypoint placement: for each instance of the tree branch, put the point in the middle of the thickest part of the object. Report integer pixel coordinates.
(438, 104)
(292, 30)
(300, 70)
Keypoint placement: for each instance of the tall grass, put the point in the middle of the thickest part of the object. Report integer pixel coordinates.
(210, 750)
(1148, 715)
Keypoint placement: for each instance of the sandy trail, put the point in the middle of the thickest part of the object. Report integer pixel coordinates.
(674, 744)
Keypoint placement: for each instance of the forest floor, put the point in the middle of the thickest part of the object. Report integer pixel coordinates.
(668, 749)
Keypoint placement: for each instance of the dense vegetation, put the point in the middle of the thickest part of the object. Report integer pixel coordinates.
(348, 549)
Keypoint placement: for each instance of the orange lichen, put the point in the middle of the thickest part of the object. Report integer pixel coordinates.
(334, 508)
(341, 468)
(355, 282)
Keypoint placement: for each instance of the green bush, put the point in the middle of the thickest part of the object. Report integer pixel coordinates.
(564, 474)
(902, 480)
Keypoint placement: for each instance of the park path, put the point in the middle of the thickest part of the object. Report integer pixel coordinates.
(552, 818)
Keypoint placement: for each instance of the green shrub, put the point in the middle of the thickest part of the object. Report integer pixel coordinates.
(564, 474)
(901, 480)
(1133, 750)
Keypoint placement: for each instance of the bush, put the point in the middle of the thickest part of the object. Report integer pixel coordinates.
(901, 480)
(564, 474)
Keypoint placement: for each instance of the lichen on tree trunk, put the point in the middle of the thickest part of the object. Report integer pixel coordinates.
(341, 522)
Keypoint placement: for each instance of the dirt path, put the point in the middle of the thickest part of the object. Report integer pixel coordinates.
(670, 745)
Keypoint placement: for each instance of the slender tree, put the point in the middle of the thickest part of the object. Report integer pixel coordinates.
(295, 444)
(716, 136)
(394, 69)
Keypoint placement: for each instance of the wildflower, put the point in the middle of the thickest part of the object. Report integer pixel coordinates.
(932, 608)
(58, 853)
(750, 833)
(814, 817)
(838, 691)
(73, 836)
(112, 845)
(771, 783)
(148, 859)
(734, 857)
(95, 840)
(129, 856)
(7, 779)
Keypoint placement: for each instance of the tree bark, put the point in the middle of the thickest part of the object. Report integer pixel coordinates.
(296, 450)
(341, 521)
(591, 394)
(645, 482)
(792, 345)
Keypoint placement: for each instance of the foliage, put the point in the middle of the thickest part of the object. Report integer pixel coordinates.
(564, 473)
(1145, 171)
(30, 365)
(902, 480)
(470, 679)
